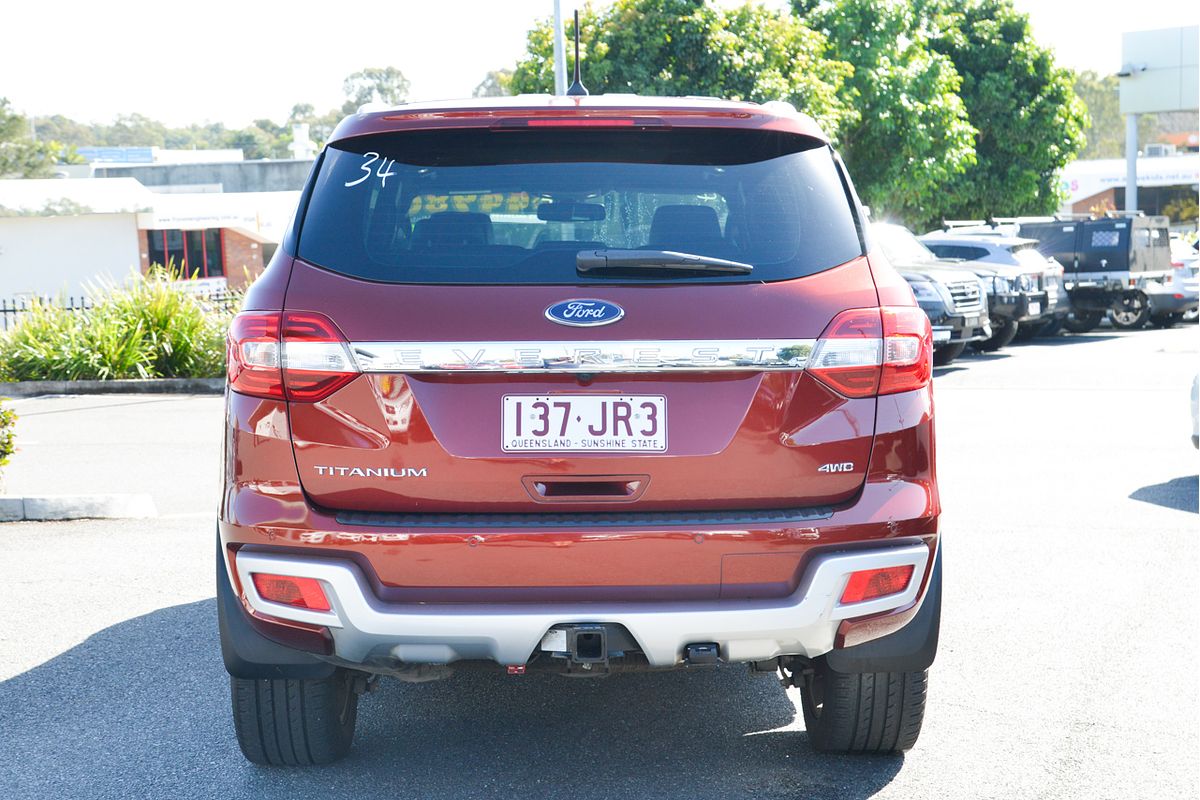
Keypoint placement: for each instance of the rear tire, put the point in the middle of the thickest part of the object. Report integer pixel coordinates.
(1083, 321)
(294, 722)
(1130, 313)
(1027, 330)
(1001, 335)
(863, 712)
(1052, 327)
(944, 355)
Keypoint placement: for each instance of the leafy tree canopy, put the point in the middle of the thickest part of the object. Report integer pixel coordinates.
(496, 83)
(20, 155)
(374, 85)
(1029, 120)
(689, 47)
(912, 132)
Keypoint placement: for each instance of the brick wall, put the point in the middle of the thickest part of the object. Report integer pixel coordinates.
(243, 256)
(144, 250)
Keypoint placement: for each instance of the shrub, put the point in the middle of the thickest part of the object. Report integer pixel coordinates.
(8, 435)
(152, 328)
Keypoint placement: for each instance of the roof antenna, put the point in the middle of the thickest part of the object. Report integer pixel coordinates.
(577, 89)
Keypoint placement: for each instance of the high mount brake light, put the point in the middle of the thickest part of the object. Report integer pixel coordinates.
(581, 122)
(869, 351)
(522, 123)
(295, 355)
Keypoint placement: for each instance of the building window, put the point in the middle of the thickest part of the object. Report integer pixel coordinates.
(197, 254)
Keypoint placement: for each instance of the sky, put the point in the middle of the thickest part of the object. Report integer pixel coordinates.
(234, 61)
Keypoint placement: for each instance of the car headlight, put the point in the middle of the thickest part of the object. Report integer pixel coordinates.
(985, 287)
(925, 290)
(1003, 285)
(1027, 283)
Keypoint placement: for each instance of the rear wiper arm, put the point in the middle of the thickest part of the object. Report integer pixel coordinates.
(614, 260)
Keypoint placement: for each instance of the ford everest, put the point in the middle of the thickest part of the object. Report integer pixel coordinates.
(580, 385)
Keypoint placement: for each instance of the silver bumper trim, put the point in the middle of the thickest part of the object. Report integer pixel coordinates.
(362, 627)
(690, 355)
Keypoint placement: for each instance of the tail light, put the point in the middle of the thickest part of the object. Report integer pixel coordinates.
(292, 591)
(293, 355)
(871, 583)
(869, 351)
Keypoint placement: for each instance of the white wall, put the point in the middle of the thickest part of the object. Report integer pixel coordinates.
(56, 255)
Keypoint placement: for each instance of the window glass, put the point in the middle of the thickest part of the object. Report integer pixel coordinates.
(1106, 239)
(516, 206)
(215, 261)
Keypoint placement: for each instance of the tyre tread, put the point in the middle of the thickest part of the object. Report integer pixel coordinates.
(283, 722)
(869, 712)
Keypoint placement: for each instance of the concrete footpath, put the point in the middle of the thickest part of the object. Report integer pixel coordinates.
(164, 446)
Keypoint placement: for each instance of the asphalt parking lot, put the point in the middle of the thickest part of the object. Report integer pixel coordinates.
(1068, 665)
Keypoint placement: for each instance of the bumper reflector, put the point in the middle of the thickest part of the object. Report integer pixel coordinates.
(871, 583)
(291, 591)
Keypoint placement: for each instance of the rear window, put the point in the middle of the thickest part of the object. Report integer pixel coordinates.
(965, 252)
(516, 206)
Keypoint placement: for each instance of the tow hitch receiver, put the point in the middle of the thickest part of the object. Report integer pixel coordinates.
(702, 654)
(587, 644)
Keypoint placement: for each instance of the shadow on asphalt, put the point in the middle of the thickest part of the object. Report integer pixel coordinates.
(1182, 494)
(141, 709)
(980, 355)
(1069, 338)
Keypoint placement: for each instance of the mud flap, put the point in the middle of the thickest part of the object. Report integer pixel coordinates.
(246, 652)
(909, 649)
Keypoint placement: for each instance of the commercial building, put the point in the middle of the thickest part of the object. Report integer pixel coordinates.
(60, 237)
(1164, 184)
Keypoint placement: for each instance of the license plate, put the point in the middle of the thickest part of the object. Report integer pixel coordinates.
(1035, 307)
(584, 423)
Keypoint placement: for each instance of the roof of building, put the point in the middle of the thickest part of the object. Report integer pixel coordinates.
(57, 197)
(1085, 178)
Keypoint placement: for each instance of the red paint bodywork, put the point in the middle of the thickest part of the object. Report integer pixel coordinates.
(746, 440)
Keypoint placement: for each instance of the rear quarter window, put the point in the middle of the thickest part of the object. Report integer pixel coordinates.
(965, 252)
(515, 206)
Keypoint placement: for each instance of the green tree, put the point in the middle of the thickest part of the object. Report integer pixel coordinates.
(20, 155)
(374, 85)
(495, 84)
(63, 129)
(912, 133)
(320, 127)
(690, 47)
(1105, 123)
(1029, 120)
(134, 130)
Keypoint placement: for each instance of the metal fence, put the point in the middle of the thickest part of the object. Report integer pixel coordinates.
(13, 309)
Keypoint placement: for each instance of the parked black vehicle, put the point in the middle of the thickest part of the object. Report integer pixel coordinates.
(1109, 263)
(955, 304)
(1012, 297)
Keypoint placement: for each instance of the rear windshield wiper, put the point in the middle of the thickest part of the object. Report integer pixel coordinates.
(613, 260)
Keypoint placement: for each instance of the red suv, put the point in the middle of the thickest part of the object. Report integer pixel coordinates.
(580, 385)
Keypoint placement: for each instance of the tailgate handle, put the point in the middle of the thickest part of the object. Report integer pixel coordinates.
(585, 488)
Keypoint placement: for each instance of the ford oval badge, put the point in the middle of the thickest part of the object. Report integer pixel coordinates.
(584, 313)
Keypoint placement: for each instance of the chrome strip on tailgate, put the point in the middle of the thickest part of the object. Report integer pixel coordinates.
(690, 355)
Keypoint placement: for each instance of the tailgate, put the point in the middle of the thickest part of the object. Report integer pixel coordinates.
(719, 424)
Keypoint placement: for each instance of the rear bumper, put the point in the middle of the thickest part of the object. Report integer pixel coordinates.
(1034, 307)
(1172, 302)
(367, 631)
(955, 328)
